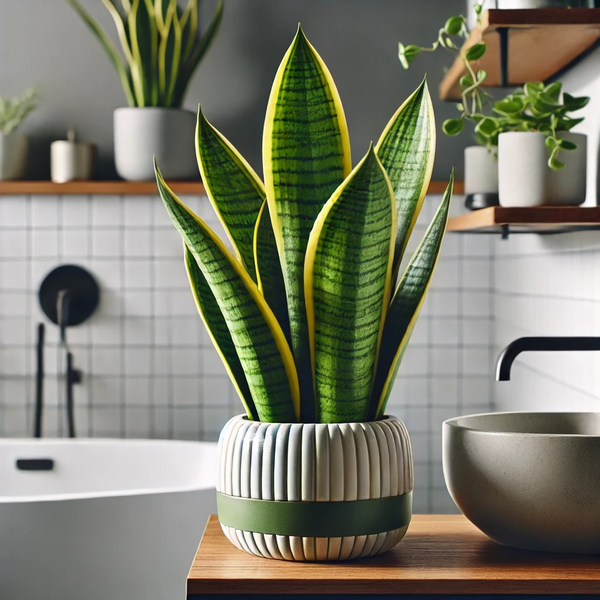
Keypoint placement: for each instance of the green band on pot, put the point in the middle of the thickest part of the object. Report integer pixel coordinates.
(315, 519)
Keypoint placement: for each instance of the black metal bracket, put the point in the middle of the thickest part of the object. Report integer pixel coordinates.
(503, 34)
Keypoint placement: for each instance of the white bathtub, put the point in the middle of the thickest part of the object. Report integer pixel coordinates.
(114, 519)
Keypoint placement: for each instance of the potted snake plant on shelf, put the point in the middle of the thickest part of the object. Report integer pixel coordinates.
(310, 316)
(162, 47)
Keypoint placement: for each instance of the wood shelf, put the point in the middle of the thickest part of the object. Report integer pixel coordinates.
(539, 219)
(539, 43)
(441, 554)
(124, 188)
(113, 188)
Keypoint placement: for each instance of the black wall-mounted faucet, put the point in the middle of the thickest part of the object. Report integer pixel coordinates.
(541, 344)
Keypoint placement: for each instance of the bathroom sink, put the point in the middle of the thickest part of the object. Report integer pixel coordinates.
(528, 480)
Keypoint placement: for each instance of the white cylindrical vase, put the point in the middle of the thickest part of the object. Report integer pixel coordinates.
(526, 180)
(312, 491)
(165, 133)
(13, 155)
(481, 177)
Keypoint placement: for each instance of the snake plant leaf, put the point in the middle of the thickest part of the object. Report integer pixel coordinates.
(268, 269)
(406, 149)
(109, 48)
(235, 190)
(219, 333)
(406, 304)
(306, 156)
(193, 57)
(347, 285)
(260, 343)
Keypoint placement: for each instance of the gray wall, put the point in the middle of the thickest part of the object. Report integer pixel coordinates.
(43, 42)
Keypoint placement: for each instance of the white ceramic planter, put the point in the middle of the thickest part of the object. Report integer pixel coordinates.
(13, 155)
(525, 178)
(314, 492)
(481, 177)
(167, 133)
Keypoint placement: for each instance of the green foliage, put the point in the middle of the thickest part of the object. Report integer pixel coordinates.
(162, 46)
(311, 318)
(535, 107)
(14, 110)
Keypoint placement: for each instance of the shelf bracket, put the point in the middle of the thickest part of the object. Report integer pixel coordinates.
(505, 231)
(503, 33)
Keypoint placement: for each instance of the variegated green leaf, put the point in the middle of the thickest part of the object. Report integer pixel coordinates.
(193, 57)
(109, 48)
(268, 269)
(406, 149)
(219, 333)
(233, 187)
(347, 285)
(306, 155)
(406, 304)
(260, 343)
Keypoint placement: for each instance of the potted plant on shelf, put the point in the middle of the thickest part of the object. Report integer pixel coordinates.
(527, 123)
(162, 46)
(310, 317)
(540, 161)
(14, 145)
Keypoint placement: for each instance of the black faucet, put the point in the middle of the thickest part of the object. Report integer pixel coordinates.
(541, 344)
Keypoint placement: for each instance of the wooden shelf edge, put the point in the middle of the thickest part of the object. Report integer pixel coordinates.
(521, 19)
(133, 188)
(535, 218)
(114, 188)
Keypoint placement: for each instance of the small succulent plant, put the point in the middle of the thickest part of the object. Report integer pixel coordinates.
(13, 111)
(308, 313)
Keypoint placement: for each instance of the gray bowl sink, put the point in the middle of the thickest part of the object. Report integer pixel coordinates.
(528, 480)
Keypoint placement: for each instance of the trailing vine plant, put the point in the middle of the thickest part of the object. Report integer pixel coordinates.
(534, 107)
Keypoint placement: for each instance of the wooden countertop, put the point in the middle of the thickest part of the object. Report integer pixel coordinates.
(441, 554)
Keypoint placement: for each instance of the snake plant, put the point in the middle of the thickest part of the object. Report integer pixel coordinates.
(162, 46)
(308, 312)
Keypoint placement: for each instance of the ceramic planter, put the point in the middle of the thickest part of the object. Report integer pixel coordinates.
(167, 133)
(314, 492)
(481, 177)
(525, 178)
(13, 155)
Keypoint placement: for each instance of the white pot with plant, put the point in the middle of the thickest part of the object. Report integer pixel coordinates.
(541, 162)
(526, 131)
(310, 317)
(162, 47)
(14, 145)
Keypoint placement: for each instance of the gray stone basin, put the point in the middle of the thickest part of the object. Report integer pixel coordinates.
(528, 480)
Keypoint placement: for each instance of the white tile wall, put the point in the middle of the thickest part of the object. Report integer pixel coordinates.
(149, 368)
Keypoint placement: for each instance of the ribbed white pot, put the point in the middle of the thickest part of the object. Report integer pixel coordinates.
(315, 492)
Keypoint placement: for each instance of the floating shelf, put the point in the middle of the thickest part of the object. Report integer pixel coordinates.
(113, 188)
(540, 219)
(134, 188)
(527, 45)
